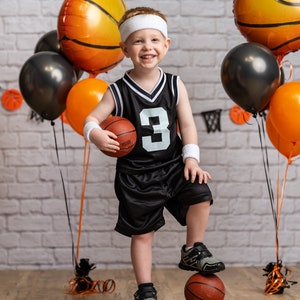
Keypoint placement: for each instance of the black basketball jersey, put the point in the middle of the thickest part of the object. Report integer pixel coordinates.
(155, 119)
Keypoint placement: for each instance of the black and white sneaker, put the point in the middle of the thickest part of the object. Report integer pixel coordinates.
(200, 259)
(146, 291)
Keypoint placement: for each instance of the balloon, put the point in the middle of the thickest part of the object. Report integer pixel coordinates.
(274, 24)
(286, 148)
(89, 35)
(45, 80)
(284, 110)
(48, 42)
(250, 75)
(82, 99)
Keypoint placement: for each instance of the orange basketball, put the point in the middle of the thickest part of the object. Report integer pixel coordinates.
(124, 130)
(238, 115)
(200, 287)
(88, 33)
(12, 99)
(272, 23)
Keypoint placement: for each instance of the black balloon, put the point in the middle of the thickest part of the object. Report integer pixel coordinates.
(45, 80)
(250, 75)
(48, 42)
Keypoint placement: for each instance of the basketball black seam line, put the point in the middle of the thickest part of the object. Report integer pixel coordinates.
(287, 3)
(285, 43)
(64, 38)
(113, 123)
(206, 284)
(266, 25)
(120, 134)
(103, 10)
(109, 66)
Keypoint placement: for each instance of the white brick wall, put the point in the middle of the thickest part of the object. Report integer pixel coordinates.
(34, 230)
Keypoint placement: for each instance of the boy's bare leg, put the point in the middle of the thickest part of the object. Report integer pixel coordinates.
(141, 256)
(197, 219)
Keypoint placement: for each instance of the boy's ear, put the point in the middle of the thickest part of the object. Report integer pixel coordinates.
(124, 48)
(168, 43)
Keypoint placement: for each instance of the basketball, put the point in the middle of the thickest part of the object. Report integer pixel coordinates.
(272, 23)
(88, 33)
(124, 130)
(199, 287)
(238, 115)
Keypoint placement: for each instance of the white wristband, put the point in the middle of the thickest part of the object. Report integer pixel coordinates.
(191, 150)
(88, 127)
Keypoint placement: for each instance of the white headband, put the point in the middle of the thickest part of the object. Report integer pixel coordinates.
(139, 22)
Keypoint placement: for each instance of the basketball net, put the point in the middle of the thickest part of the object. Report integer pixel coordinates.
(212, 120)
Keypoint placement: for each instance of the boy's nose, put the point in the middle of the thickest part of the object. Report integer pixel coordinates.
(147, 45)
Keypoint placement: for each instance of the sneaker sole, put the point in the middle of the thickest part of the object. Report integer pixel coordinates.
(189, 268)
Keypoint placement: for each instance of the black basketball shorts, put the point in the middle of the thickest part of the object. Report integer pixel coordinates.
(142, 198)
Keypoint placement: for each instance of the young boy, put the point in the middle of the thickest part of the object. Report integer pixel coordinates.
(163, 169)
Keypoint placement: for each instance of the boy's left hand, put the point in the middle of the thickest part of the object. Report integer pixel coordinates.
(192, 170)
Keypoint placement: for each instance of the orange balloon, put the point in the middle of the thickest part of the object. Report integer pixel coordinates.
(82, 99)
(284, 111)
(88, 33)
(286, 148)
(272, 23)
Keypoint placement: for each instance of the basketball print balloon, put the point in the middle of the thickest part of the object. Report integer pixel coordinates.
(272, 23)
(88, 33)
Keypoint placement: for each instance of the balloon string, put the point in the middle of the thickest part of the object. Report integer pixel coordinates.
(64, 191)
(279, 203)
(290, 67)
(280, 199)
(262, 137)
(86, 159)
(63, 132)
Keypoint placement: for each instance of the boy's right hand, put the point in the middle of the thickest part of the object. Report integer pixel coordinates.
(105, 140)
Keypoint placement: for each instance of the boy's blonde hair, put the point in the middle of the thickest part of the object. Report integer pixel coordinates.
(142, 10)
